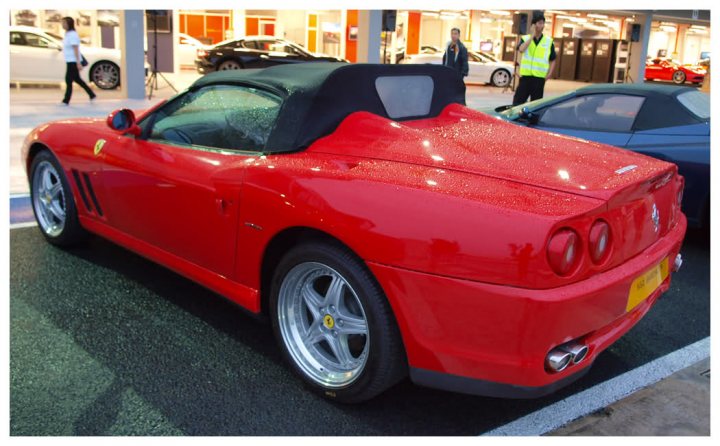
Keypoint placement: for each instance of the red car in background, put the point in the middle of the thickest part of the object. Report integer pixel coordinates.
(667, 70)
(384, 228)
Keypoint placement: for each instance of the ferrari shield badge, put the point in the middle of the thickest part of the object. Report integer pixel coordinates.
(99, 146)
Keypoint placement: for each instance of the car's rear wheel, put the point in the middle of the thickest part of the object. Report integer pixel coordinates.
(105, 74)
(500, 78)
(52, 201)
(229, 65)
(334, 324)
(678, 77)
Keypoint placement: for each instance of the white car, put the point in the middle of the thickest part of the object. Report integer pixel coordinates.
(36, 56)
(482, 68)
(187, 49)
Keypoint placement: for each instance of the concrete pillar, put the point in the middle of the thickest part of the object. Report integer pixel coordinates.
(369, 29)
(638, 50)
(175, 40)
(475, 30)
(132, 70)
(238, 23)
(343, 33)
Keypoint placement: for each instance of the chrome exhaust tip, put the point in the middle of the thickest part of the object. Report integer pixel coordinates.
(557, 360)
(578, 351)
(678, 262)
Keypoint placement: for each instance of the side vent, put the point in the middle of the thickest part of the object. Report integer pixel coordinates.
(81, 188)
(92, 194)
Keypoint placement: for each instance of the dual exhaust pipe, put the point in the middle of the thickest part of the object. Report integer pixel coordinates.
(560, 357)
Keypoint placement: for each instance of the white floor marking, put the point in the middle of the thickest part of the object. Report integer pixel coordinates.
(580, 404)
(29, 224)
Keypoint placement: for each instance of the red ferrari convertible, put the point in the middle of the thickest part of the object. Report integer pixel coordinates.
(667, 70)
(384, 228)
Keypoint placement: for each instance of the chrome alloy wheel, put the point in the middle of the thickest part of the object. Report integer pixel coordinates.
(106, 75)
(501, 78)
(49, 199)
(229, 65)
(323, 324)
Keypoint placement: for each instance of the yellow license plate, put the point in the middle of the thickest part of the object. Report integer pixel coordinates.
(644, 285)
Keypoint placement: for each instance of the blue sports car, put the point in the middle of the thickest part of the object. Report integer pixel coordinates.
(663, 121)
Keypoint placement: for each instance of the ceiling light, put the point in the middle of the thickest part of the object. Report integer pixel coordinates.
(598, 16)
(500, 12)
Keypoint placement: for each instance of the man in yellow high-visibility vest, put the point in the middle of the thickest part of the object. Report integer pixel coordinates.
(538, 61)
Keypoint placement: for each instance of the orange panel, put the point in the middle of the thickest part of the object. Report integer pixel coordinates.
(312, 20)
(182, 23)
(351, 45)
(269, 29)
(195, 25)
(312, 40)
(214, 28)
(413, 33)
(251, 26)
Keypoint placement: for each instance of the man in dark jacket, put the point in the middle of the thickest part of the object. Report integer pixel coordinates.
(456, 55)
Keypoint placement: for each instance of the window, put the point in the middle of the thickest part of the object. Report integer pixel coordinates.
(250, 44)
(698, 103)
(38, 41)
(218, 116)
(16, 39)
(405, 96)
(598, 112)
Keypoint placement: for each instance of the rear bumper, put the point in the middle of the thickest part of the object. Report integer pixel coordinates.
(492, 340)
(203, 67)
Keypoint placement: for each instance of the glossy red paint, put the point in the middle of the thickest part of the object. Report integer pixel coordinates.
(453, 215)
(663, 70)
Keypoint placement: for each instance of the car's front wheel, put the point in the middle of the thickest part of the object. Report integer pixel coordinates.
(334, 323)
(678, 77)
(105, 74)
(52, 201)
(500, 78)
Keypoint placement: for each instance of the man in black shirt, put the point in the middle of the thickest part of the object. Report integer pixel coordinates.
(538, 61)
(456, 55)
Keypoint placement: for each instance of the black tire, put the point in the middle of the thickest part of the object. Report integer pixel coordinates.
(678, 77)
(105, 75)
(71, 231)
(385, 363)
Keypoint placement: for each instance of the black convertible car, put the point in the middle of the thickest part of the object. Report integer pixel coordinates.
(254, 52)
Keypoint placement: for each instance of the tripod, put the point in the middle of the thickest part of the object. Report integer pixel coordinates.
(152, 82)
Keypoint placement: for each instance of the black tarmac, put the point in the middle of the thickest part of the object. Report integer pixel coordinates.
(104, 342)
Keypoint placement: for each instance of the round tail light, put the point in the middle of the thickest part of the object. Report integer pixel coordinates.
(563, 251)
(599, 241)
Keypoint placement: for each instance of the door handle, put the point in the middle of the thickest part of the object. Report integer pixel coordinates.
(264, 56)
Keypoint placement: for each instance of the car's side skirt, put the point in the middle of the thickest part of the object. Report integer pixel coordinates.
(248, 298)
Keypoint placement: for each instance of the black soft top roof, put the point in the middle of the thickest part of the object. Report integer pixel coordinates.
(317, 96)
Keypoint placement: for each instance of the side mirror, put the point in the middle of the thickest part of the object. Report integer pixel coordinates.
(527, 115)
(123, 121)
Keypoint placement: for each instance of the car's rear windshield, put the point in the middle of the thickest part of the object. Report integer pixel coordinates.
(696, 102)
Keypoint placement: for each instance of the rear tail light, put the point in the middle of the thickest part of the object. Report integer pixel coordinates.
(201, 53)
(563, 251)
(599, 241)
